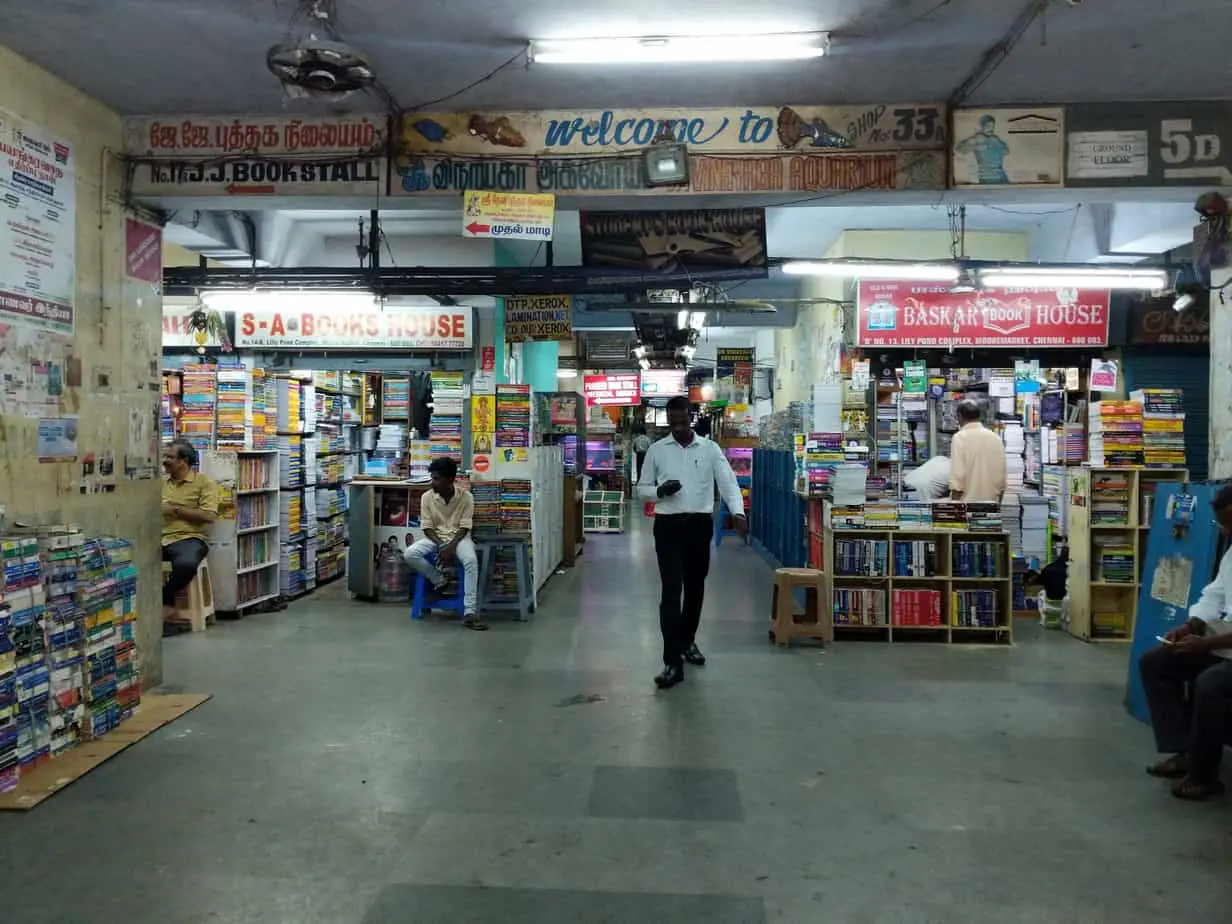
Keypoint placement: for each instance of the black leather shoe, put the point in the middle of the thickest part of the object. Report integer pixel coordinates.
(671, 676)
(694, 655)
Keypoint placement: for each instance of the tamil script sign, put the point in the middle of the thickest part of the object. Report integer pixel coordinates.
(38, 232)
(911, 314)
(355, 329)
(1155, 321)
(257, 156)
(768, 129)
(143, 251)
(678, 240)
(1149, 144)
(538, 317)
(617, 389)
(433, 175)
(508, 216)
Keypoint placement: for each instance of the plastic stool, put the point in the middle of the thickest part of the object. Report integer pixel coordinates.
(195, 603)
(457, 602)
(524, 600)
(817, 621)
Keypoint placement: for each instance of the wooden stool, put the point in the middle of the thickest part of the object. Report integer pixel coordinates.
(195, 603)
(817, 621)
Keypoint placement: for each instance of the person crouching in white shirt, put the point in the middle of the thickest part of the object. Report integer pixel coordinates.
(1188, 682)
(931, 481)
(680, 474)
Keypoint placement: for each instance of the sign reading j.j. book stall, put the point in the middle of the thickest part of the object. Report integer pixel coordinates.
(257, 156)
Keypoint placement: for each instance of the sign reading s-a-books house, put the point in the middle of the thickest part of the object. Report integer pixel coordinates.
(915, 314)
(538, 317)
(257, 156)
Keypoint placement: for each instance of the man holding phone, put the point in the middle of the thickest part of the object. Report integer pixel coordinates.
(1188, 682)
(680, 474)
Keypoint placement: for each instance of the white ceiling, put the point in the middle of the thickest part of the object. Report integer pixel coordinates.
(208, 56)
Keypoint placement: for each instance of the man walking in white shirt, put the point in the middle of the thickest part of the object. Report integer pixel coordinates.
(680, 474)
(977, 458)
(1188, 682)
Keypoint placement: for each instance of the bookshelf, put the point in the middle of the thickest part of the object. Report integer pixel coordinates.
(603, 512)
(245, 550)
(1108, 519)
(904, 585)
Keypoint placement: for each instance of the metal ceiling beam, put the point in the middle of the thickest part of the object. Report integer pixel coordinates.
(447, 282)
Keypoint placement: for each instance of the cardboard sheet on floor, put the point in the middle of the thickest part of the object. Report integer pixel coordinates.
(155, 711)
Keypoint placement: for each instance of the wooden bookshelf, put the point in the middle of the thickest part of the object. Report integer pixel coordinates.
(1103, 592)
(949, 578)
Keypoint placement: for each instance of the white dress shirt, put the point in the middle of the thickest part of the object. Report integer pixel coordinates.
(931, 481)
(698, 467)
(1212, 607)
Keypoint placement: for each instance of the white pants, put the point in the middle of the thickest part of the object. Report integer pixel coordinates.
(416, 557)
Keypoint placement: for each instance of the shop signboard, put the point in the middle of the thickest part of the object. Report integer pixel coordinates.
(425, 175)
(391, 328)
(663, 383)
(1182, 143)
(616, 389)
(257, 156)
(38, 236)
(1008, 147)
(508, 216)
(1154, 321)
(143, 251)
(175, 326)
(917, 314)
(538, 317)
(734, 362)
(678, 240)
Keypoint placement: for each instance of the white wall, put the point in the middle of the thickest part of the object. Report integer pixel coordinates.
(408, 251)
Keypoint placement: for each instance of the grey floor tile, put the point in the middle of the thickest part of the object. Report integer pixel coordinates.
(666, 793)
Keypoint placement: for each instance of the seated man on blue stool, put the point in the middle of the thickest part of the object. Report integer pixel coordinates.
(446, 516)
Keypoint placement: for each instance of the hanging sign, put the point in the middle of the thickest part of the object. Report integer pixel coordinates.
(538, 317)
(508, 216)
(1105, 375)
(663, 383)
(143, 251)
(38, 227)
(1008, 147)
(257, 156)
(729, 360)
(1181, 143)
(915, 378)
(678, 240)
(393, 328)
(860, 374)
(912, 314)
(617, 389)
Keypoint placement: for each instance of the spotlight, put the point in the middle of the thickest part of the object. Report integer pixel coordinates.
(1183, 301)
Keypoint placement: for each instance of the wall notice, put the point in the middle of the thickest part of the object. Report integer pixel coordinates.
(57, 439)
(33, 370)
(538, 317)
(38, 235)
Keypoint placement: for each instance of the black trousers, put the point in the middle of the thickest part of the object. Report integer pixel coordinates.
(1189, 697)
(682, 545)
(185, 555)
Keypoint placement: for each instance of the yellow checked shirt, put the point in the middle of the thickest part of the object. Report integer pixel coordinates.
(196, 492)
(445, 519)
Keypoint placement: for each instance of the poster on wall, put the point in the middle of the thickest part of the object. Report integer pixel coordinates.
(38, 233)
(393, 328)
(677, 241)
(1008, 147)
(920, 314)
(143, 251)
(538, 317)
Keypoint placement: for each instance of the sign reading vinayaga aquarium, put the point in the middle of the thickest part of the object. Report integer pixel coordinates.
(538, 317)
(912, 314)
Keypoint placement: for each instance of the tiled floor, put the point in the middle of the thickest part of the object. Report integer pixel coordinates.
(355, 768)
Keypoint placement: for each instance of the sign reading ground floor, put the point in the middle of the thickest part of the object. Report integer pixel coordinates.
(914, 314)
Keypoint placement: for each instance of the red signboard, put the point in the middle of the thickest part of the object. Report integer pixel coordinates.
(616, 390)
(143, 251)
(920, 314)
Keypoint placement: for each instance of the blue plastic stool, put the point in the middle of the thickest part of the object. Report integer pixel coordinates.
(418, 607)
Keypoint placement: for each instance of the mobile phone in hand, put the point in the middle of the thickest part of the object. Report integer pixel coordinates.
(1166, 641)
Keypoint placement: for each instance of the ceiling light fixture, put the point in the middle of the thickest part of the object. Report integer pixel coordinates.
(1183, 301)
(566, 373)
(681, 49)
(1087, 277)
(873, 269)
(666, 165)
(644, 363)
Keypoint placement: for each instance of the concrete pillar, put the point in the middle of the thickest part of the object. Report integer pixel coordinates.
(1221, 375)
(540, 360)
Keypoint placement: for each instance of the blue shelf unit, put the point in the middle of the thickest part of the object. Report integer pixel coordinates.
(778, 520)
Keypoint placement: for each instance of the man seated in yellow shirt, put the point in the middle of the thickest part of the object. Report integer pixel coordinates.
(446, 515)
(190, 505)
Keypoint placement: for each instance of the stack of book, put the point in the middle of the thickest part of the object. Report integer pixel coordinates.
(984, 516)
(915, 515)
(881, 515)
(859, 607)
(1109, 499)
(9, 767)
(916, 558)
(977, 560)
(232, 406)
(861, 557)
(949, 515)
(1116, 433)
(389, 451)
(974, 609)
(515, 506)
(395, 399)
(197, 410)
(1163, 426)
(513, 416)
(851, 517)
(1115, 556)
(26, 599)
(448, 401)
(1014, 437)
(823, 454)
(1034, 545)
(487, 517)
(106, 592)
(1055, 487)
(264, 411)
(914, 608)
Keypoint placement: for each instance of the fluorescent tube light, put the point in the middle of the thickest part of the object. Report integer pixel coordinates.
(681, 49)
(848, 269)
(566, 373)
(224, 300)
(1016, 277)
(682, 319)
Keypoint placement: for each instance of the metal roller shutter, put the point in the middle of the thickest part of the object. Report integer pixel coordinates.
(1149, 368)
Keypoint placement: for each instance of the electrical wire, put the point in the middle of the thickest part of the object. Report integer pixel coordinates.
(899, 27)
(1028, 212)
(419, 107)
